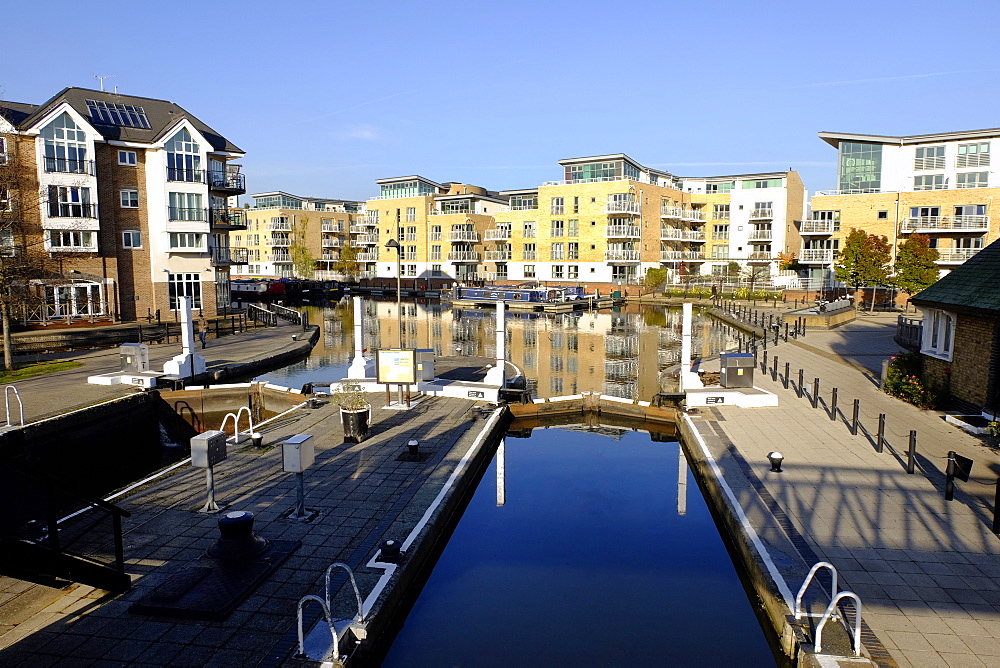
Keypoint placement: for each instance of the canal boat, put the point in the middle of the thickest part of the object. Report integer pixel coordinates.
(522, 293)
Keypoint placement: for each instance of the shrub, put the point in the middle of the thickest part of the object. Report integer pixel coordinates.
(993, 429)
(903, 382)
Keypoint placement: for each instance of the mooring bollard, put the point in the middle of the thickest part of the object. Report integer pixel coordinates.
(798, 388)
(774, 371)
(911, 452)
(833, 404)
(949, 477)
(880, 439)
(788, 366)
(815, 396)
(854, 420)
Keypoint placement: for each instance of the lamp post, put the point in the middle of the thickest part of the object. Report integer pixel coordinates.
(392, 243)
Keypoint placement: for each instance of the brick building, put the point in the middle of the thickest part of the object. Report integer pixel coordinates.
(125, 202)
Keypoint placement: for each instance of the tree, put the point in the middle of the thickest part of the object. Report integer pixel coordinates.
(303, 262)
(864, 261)
(915, 264)
(654, 279)
(347, 264)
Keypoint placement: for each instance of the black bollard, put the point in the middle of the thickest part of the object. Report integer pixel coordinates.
(911, 452)
(996, 509)
(833, 404)
(880, 439)
(854, 420)
(949, 477)
(763, 366)
(786, 332)
(774, 371)
(787, 371)
(798, 389)
(815, 397)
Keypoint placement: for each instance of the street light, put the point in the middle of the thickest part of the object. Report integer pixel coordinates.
(392, 243)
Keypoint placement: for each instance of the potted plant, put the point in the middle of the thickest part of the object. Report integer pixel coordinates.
(355, 411)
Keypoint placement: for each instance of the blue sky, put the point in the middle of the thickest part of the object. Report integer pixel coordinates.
(327, 97)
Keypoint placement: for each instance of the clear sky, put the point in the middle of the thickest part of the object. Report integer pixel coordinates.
(326, 97)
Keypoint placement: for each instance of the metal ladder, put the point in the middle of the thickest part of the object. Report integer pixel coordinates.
(831, 611)
(236, 423)
(6, 401)
(356, 625)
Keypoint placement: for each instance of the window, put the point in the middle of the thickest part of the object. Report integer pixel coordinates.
(127, 158)
(131, 239)
(184, 158)
(3, 151)
(829, 216)
(573, 271)
(529, 271)
(929, 157)
(435, 252)
(558, 228)
(6, 201)
(720, 252)
(557, 251)
(523, 202)
(409, 270)
(573, 230)
(720, 231)
(411, 253)
(925, 211)
(573, 250)
(963, 210)
(972, 180)
(187, 206)
(768, 183)
(938, 336)
(719, 188)
(436, 270)
(187, 241)
(70, 201)
(129, 198)
(558, 207)
(761, 210)
(8, 246)
(411, 233)
(184, 285)
(529, 229)
(113, 113)
(720, 212)
(929, 182)
(973, 155)
(557, 271)
(65, 147)
(882, 215)
(411, 214)
(860, 168)
(435, 233)
(71, 239)
(576, 205)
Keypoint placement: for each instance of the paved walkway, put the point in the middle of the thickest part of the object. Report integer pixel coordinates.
(928, 570)
(363, 493)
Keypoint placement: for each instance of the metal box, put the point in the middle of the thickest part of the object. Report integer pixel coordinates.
(297, 453)
(425, 364)
(134, 357)
(737, 370)
(208, 448)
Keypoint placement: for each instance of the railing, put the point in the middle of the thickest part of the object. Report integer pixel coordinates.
(462, 236)
(6, 403)
(288, 314)
(692, 214)
(945, 223)
(228, 217)
(957, 255)
(720, 215)
(720, 236)
(760, 235)
(366, 239)
(65, 165)
(281, 257)
(683, 256)
(498, 256)
(278, 241)
(85, 249)
(816, 255)
(909, 331)
(451, 212)
(261, 315)
(501, 234)
(368, 257)
(278, 227)
(622, 232)
(463, 256)
(332, 227)
(621, 256)
(936, 162)
(185, 175)
(519, 207)
(224, 256)
(675, 234)
(605, 179)
(973, 160)
(762, 214)
(557, 209)
(853, 191)
(65, 210)
(811, 226)
(760, 257)
(332, 243)
(358, 229)
(625, 207)
(181, 213)
(668, 211)
(228, 181)
(528, 255)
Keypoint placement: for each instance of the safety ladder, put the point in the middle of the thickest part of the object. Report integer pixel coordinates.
(831, 611)
(330, 651)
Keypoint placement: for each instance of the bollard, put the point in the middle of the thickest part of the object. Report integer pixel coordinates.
(763, 366)
(996, 509)
(854, 420)
(815, 397)
(833, 404)
(949, 477)
(774, 371)
(776, 329)
(880, 439)
(803, 328)
(786, 332)
(787, 371)
(911, 452)
(798, 389)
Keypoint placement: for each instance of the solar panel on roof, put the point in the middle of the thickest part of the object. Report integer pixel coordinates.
(114, 113)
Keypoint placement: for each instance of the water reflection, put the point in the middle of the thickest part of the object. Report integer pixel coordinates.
(631, 352)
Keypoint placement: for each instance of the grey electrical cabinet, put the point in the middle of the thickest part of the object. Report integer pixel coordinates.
(737, 370)
(208, 448)
(297, 453)
(425, 364)
(134, 357)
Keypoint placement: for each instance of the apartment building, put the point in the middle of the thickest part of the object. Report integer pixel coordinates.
(288, 236)
(608, 220)
(122, 203)
(942, 185)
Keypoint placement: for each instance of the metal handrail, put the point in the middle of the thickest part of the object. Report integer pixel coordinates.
(831, 613)
(329, 621)
(6, 402)
(354, 583)
(799, 612)
(286, 313)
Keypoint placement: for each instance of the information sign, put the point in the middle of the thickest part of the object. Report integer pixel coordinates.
(396, 366)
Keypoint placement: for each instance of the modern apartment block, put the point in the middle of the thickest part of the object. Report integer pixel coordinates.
(123, 203)
(283, 228)
(941, 185)
(608, 220)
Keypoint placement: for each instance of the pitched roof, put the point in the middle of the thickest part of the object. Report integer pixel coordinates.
(161, 114)
(970, 287)
(16, 112)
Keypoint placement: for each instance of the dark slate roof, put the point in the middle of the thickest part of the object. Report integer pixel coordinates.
(16, 112)
(972, 286)
(162, 115)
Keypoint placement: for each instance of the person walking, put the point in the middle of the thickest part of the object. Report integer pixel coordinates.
(203, 331)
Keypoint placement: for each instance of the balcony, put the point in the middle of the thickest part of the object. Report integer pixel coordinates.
(622, 232)
(332, 227)
(65, 210)
(358, 229)
(371, 256)
(677, 234)
(498, 256)
(760, 236)
(366, 240)
(852, 191)
(225, 256)
(67, 166)
(281, 241)
(462, 237)
(180, 213)
(451, 212)
(500, 234)
(720, 236)
(621, 256)
(281, 257)
(816, 256)
(185, 175)
(332, 243)
(693, 215)
(931, 224)
(278, 227)
(367, 221)
(622, 208)
(760, 256)
(231, 183)
(956, 255)
(762, 214)
(815, 226)
(682, 256)
(463, 256)
(227, 219)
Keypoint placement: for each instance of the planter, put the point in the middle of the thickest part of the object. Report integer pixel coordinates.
(355, 424)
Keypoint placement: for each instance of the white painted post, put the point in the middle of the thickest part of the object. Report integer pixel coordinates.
(497, 375)
(682, 481)
(685, 343)
(501, 475)
(358, 368)
(187, 331)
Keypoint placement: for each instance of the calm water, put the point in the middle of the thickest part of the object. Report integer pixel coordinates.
(589, 562)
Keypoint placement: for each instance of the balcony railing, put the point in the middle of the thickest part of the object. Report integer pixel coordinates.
(229, 218)
(762, 214)
(946, 223)
(956, 255)
(451, 212)
(720, 236)
(463, 256)
(230, 182)
(281, 257)
(675, 234)
(501, 234)
(332, 243)
(817, 226)
(760, 256)
(853, 191)
(623, 207)
(668, 211)
(693, 214)
(278, 241)
(182, 213)
(358, 229)
(528, 255)
(760, 235)
(185, 175)
(558, 209)
(622, 232)
(462, 237)
(67, 166)
(518, 207)
(628, 256)
(681, 256)
(366, 239)
(368, 257)
(278, 227)
(64, 210)
(816, 255)
(226, 256)
(332, 227)
(498, 256)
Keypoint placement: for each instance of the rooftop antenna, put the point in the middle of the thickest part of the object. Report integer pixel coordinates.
(101, 78)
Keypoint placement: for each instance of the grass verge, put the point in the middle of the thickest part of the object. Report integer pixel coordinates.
(37, 369)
